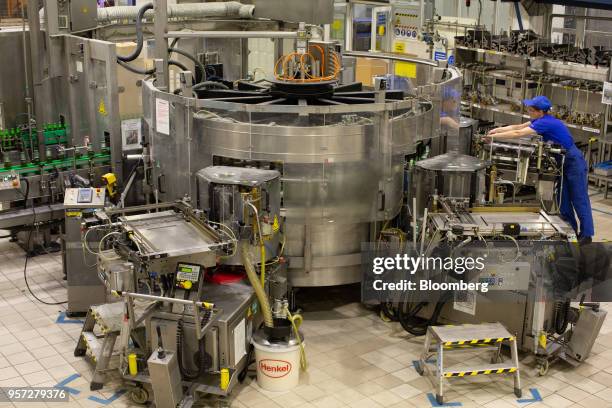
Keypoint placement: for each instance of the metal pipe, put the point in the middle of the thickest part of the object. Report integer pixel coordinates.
(424, 230)
(392, 57)
(186, 10)
(455, 24)
(205, 305)
(28, 99)
(231, 34)
(414, 222)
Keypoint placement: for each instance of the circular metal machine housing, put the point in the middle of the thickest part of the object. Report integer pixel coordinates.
(342, 165)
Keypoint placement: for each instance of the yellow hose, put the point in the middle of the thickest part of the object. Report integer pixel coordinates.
(296, 321)
(257, 286)
(263, 266)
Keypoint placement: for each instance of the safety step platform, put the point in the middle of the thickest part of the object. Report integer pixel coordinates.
(443, 339)
(98, 336)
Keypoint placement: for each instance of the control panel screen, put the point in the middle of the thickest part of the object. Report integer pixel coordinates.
(85, 195)
(187, 273)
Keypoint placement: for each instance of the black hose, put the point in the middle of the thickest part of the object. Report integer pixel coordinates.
(561, 316)
(189, 56)
(136, 70)
(25, 266)
(178, 64)
(139, 37)
(187, 375)
(152, 70)
(212, 84)
(415, 324)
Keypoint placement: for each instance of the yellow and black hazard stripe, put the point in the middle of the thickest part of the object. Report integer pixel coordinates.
(475, 342)
(465, 346)
(478, 372)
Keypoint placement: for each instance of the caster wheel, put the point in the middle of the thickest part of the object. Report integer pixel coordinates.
(543, 368)
(518, 392)
(418, 368)
(439, 399)
(95, 386)
(139, 395)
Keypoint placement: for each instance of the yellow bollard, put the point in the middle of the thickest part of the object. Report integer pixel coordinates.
(225, 378)
(132, 364)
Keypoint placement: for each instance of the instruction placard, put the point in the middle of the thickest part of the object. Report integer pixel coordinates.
(131, 134)
(162, 116)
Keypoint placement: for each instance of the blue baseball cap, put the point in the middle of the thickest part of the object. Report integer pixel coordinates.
(539, 102)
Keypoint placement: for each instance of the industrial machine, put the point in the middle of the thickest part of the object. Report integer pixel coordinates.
(339, 148)
(531, 263)
(500, 71)
(187, 327)
(78, 260)
(528, 167)
(232, 196)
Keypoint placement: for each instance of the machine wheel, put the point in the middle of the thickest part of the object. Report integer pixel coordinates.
(439, 399)
(543, 368)
(418, 368)
(139, 395)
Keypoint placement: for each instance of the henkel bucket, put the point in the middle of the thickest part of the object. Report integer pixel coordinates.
(278, 362)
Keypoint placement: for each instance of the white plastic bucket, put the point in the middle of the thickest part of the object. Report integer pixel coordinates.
(278, 366)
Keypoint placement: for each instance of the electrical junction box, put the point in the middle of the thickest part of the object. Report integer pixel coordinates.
(71, 16)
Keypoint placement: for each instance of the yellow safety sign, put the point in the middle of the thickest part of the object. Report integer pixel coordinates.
(102, 107)
(405, 69)
(275, 224)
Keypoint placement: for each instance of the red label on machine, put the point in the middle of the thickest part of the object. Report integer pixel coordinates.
(274, 368)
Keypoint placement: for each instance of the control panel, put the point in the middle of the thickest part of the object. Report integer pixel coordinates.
(186, 286)
(10, 181)
(89, 197)
(506, 276)
(187, 276)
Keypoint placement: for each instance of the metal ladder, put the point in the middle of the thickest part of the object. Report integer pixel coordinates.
(99, 345)
(484, 336)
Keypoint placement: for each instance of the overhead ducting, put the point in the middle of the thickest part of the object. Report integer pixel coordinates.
(187, 10)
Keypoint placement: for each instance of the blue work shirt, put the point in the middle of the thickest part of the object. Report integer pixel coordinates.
(553, 130)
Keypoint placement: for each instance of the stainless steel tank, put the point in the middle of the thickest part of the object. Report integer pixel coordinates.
(245, 200)
(451, 175)
(341, 163)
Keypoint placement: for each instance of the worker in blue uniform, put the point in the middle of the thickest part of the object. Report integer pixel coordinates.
(573, 190)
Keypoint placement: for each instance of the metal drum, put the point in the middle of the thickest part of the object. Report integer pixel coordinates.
(450, 175)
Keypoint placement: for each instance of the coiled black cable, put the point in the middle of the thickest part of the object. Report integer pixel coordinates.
(139, 37)
(561, 316)
(187, 375)
(201, 357)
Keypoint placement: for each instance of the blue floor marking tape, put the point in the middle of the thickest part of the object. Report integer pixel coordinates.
(62, 319)
(62, 384)
(534, 393)
(107, 401)
(434, 403)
